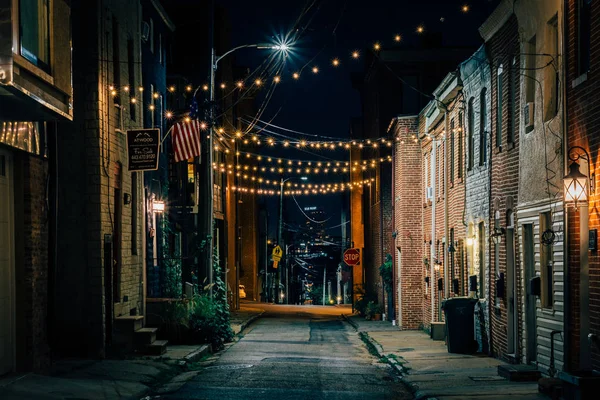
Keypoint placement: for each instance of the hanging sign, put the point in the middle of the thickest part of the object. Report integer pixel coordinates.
(143, 146)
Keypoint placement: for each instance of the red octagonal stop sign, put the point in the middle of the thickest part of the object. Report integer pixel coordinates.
(352, 257)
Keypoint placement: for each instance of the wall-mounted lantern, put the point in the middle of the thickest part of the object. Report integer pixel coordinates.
(577, 186)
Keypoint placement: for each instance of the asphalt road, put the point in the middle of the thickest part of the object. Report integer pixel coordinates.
(293, 353)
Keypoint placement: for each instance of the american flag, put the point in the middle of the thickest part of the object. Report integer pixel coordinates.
(186, 140)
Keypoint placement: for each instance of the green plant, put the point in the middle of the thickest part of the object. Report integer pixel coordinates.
(316, 294)
(363, 298)
(387, 274)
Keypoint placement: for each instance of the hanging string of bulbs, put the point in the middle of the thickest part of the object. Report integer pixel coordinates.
(305, 189)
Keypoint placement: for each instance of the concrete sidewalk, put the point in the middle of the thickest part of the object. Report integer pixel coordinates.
(123, 378)
(433, 373)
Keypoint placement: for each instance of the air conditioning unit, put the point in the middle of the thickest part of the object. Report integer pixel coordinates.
(145, 31)
(429, 193)
(528, 115)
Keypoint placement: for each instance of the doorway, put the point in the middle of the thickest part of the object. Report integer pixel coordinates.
(7, 303)
(530, 298)
(511, 278)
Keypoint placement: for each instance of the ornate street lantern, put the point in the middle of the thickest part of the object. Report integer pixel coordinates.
(576, 189)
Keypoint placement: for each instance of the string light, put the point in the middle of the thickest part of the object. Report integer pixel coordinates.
(205, 87)
(355, 54)
(397, 38)
(420, 29)
(240, 84)
(126, 88)
(187, 119)
(335, 62)
(113, 92)
(377, 46)
(465, 8)
(169, 115)
(151, 107)
(223, 86)
(156, 95)
(258, 82)
(133, 100)
(296, 75)
(188, 88)
(172, 89)
(141, 89)
(203, 125)
(276, 79)
(315, 69)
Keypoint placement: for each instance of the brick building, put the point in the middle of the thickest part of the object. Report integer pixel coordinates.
(100, 212)
(582, 285)
(408, 222)
(35, 94)
(500, 33)
(475, 133)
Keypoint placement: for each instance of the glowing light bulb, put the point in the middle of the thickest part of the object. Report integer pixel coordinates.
(126, 88)
(420, 29)
(315, 69)
(203, 125)
(377, 46)
(296, 75)
(335, 62)
(258, 82)
(240, 84)
(113, 92)
(277, 79)
(156, 95)
(151, 107)
(187, 119)
(141, 89)
(188, 88)
(397, 38)
(205, 87)
(172, 89)
(465, 8)
(355, 54)
(111, 88)
(169, 115)
(133, 100)
(223, 86)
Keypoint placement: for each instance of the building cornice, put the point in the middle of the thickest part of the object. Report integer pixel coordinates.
(495, 21)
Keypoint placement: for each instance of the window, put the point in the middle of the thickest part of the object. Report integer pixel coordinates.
(160, 49)
(499, 107)
(452, 133)
(132, 86)
(551, 73)
(482, 263)
(530, 69)
(470, 134)
(116, 61)
(512, 87)
(440, 170)
(482, 127)
(460, 145)
(426, 173)
(151, 35)
(34, 22)
(583, 35)
(546, 268)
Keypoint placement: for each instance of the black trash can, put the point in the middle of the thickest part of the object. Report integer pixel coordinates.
(460, 324)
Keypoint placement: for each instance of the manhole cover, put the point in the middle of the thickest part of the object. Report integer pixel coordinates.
(230, 366)
(486, 378)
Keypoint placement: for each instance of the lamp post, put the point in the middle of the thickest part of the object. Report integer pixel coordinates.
(577, 190)
(207, 191)
(280, 231)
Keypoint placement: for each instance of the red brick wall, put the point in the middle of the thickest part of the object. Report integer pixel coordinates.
(583, 113)
(408, 227)
(503, 47)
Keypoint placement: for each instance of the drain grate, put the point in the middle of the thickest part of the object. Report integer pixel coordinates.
(486, 378)
(230, 366)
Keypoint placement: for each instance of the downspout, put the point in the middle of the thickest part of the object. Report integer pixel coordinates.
(567, 275)
(393, 315)
(447, 254)
(432, 283)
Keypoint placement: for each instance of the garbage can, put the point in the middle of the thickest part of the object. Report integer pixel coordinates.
(460, 325)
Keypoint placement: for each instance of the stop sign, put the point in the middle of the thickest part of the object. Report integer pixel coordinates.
(352, 256)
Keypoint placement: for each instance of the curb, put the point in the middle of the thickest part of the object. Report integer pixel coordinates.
(196, 355)
(349, 321)
(250, 320)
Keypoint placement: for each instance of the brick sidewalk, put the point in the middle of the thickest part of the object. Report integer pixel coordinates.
(433, 373)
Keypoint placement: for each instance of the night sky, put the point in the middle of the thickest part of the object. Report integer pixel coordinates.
(324, 103)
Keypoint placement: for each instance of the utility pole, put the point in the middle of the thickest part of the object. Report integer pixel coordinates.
(339, 280)
(324, 272)
(280, 232)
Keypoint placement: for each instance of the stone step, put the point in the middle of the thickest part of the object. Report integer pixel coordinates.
(519, 372)
(157, 348)
(145, 336)
(129, 323)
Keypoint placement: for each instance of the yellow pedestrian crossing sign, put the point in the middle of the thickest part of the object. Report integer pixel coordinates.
(277, 253)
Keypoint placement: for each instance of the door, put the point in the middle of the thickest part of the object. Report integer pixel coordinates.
(530, 298)
(6, 265)
(511, 285)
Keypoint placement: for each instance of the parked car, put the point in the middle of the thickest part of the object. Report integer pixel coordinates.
(242, 292)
